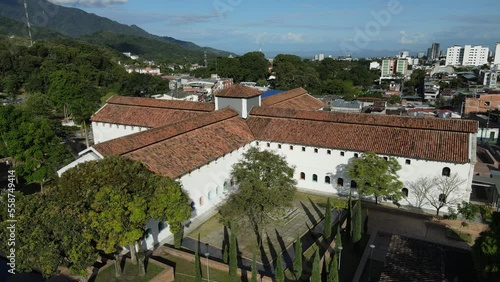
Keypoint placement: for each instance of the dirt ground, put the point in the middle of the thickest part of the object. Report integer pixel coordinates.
(474, 228)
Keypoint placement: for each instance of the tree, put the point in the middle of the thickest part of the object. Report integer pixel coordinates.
(328, 220)
(266, 187)
(279, 273)
(333, 272)
(486, 251)
(338, 239)
(197, 264)
(419, 189)
(315, 272)
(357, 224)
(376, 176)
(297, 260)
(233, 257)
(444, 191)
(254, 269)
(468, 211)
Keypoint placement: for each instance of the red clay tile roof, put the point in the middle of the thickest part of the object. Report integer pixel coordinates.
(148, 112)
(176, 149)
(297, 98)
(354, 132)
(468, 126)
(238, 91)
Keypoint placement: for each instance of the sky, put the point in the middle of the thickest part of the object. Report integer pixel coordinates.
(332, 27)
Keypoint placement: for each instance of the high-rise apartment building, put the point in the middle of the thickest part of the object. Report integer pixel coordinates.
(433, 52)
(467, 55)
(497, 55)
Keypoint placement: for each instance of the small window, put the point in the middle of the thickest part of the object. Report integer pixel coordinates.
(342, 154)
(303, 149)
(442, 198)
(340, 182)
(487, 103)
(327, 180)
(202, 201)
(315, 178)
(354, 185)
(291, 147)
(356, 155)
(210, 195)
(408, 161)
(279, 146)
(257, 143)
(302, 176)
(315, 150)
(405, 192)
(328, 152)
(385, 158)
(192, 206)
(268, 145)
(446, 171)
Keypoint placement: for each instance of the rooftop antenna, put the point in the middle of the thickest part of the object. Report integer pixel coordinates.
(28, 22)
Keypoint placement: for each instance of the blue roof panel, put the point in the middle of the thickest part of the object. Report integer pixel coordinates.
(270, 93)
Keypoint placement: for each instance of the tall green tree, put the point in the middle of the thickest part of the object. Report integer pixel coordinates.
(338, 239)
(266, 187)
(254, 269)
(233, 257)
(486, 251)
(333, 272)
(328, 220)
(357, 224)
(197, 264)
(279, 272)
(297, 260)
(376, 176)
(315, 272)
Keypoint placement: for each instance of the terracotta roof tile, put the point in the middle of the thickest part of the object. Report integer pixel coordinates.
(176, 149)
(238, 91)
(297, 98)
(165, 104)
(356, 134)
(468, 126)
(148, 112)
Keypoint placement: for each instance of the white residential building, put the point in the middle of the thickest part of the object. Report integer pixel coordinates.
(496, 61)
(198, 147)
(467, 55)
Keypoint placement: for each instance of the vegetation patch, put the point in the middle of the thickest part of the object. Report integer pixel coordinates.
(130, 273)
(458, 235)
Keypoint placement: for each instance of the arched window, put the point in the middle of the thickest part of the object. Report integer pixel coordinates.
(161, 225)
(442, 198)
(340, 182)
(405, 192)
(315, 178)
(446, 171)
(210, 195)
(302, 176)
(328, 152)
(354, 185)
(202, 201)
(327, 180)
(356, 155)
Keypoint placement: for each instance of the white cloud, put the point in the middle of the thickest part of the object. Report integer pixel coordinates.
(411, 39)
(88, 2)
(292, 37)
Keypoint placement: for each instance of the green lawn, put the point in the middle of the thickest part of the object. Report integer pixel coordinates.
(130, 273)
(184, 271)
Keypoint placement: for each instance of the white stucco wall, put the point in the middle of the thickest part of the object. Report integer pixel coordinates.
(85, 156)
(334, 165)
(103, 132)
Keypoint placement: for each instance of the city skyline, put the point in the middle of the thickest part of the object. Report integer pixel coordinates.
(308, 27)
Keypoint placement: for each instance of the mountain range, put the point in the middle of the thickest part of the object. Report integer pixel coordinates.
(50, 20)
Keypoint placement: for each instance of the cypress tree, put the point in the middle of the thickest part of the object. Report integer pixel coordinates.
(279, 273)
(225, 255)
(333, 272)
(316, 274)
(338, 239)
(197, 265)
(233, 258)
(254, 269)
(357, 223)
(297, 260)
(328, 220)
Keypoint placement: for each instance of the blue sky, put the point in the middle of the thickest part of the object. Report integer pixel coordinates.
(329, 26)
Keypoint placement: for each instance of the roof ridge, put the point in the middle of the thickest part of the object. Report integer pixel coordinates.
(159, 103)
(199, 122)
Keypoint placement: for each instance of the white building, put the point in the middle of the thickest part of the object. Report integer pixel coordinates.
(467, 55)
(496, 61)
(199, 150)
(374, 65)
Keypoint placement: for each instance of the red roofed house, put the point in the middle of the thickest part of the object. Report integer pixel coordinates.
(197, 143)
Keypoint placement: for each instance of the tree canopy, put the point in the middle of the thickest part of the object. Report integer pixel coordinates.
(376, 176)
(265, 187)
(486, 251)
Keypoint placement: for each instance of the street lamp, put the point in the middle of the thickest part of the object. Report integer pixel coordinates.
(208, 270)
(340, 255)
(370, 270)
